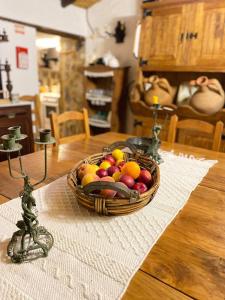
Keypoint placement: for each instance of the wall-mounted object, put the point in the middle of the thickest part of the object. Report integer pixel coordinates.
(50, 55)
(119, 32)
(7, 68)
(22, 61)
(4, 36)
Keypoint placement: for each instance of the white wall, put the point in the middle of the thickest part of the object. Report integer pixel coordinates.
(106, 14)
(46, 13)
(24, 81)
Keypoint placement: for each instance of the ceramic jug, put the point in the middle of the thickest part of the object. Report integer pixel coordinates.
(209, 98)
(161, 88)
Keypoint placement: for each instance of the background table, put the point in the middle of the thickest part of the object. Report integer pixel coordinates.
(188, 261)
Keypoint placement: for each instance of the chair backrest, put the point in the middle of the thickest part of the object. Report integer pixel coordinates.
(35, 102)
(196, 132)
(56, 120)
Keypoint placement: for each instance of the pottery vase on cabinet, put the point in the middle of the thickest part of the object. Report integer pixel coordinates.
(209, 98)
(161, 88)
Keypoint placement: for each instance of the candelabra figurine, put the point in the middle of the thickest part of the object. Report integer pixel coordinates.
(31, 241)
(154, 145)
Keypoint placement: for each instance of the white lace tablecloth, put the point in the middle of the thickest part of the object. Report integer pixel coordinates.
(93, 257)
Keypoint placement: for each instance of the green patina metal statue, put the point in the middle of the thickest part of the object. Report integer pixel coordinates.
(155, 144)
(31, 241)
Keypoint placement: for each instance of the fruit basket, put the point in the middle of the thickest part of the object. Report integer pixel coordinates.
(115, 198)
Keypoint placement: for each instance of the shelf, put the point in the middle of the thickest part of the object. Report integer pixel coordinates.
(99, 100)
(99, 74)
(99, 123)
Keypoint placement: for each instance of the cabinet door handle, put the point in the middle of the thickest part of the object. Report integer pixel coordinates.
(182, 37)
(187, 35)
(193, 35)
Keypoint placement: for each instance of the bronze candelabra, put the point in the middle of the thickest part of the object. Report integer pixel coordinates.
(31, 241)
(154, 145)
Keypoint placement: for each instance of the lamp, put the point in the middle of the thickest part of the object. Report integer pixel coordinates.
(50, 55)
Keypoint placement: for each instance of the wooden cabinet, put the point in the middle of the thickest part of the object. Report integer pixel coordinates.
(185, 36)
(17, 115)
(160, 37)
(213, 35)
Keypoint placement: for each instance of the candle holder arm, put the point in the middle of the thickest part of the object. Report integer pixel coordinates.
(10, 168)
(45, 173)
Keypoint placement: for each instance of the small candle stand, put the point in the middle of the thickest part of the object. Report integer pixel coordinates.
(154, 146)
(31, 241)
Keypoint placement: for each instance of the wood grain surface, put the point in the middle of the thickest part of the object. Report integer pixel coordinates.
(188, 261)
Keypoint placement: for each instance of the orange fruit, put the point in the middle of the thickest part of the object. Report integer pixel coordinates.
(132, 169)
(105, 165)
(117, 154)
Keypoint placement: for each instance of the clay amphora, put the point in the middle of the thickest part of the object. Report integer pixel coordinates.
(209, 98)
(161, 88)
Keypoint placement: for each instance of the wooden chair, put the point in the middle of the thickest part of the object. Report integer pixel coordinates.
(196, 132)
(56, 120)
(35, 102)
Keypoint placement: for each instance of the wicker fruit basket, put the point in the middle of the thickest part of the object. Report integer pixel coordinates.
(130, 200)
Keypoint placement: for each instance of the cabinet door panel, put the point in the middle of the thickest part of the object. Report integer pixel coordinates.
(189, 53)
(213, 36)
(161, 34)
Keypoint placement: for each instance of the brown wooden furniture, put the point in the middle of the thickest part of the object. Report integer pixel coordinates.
(57, 120)
(11, 115)
(188, 260)
(183, 35)
(196, 131)
(113, 82)
(35, 103)
(182, 40)
(85, 3)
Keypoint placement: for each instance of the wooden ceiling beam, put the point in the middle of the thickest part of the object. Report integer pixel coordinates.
(85, 3)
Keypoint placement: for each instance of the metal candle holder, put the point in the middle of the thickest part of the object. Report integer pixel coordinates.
(31, 241)
(154, 146)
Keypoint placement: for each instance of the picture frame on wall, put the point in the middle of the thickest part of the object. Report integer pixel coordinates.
(22, 59)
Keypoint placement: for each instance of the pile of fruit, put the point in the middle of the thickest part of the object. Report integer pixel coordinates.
(113, 168)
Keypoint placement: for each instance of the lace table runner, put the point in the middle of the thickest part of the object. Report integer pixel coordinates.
(93, 257)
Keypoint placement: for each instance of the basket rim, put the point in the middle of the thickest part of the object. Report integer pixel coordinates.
(74, 186)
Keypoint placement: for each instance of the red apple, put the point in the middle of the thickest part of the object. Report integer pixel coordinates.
(140, 187)
(113, 169)
(127, 180)
(108, 193)
(102, 173)
(111, 159)
(145, 177)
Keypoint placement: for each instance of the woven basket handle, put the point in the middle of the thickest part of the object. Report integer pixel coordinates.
(115, 186)
(120, 144)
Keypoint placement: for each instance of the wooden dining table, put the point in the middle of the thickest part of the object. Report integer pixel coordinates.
(188, 261)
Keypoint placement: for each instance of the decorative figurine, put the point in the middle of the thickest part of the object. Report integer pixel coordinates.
(31, 241)
(156, 129)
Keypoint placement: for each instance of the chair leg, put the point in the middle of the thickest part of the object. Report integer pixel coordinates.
(217, 136)
(172, 129)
